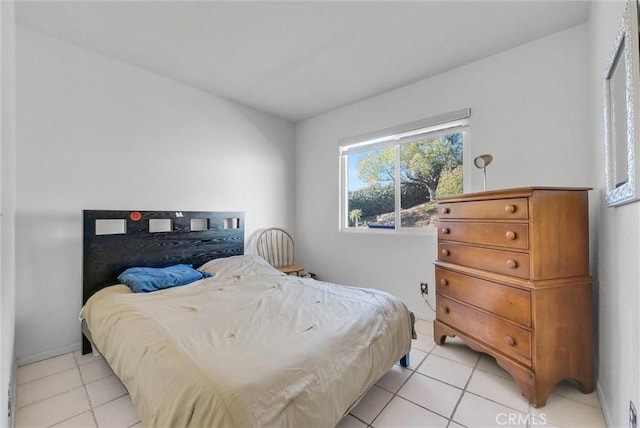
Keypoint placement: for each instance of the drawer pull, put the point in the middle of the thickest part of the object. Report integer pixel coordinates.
(512, 264)
(445, 252)
(510, 235)
(445, 230)
(510, 341)
(444, 282)
(447, 310)
(510, 208)
(446, 210)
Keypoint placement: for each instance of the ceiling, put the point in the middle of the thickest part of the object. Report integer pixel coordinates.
(299, 59)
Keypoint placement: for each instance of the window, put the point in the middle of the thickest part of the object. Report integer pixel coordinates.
(390, 179)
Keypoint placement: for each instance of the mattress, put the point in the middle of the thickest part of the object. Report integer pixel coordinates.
(248, 347)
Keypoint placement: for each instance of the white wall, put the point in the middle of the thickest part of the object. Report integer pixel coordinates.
(95, 133)
(529, 107)
(618, 249)
(7, 202)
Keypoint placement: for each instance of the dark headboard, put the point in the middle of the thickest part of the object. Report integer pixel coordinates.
(116, 240)
(105, 256)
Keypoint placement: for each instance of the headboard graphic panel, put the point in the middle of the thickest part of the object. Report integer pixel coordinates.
(106, 255)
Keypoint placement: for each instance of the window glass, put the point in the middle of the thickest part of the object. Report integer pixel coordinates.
(392, 181)
(430, 167)
(371, 188)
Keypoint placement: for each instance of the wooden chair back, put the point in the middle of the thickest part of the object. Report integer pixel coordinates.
(277, 247)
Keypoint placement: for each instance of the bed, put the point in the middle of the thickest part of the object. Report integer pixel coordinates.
(248, 346)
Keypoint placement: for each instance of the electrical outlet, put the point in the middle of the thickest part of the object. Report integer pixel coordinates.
(424, 288)
(633, 418)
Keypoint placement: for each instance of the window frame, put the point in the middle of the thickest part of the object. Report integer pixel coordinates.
(397, 136)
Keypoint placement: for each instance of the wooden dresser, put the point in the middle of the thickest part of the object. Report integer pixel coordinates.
(512, 280)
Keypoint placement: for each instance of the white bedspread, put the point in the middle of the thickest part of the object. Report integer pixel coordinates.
(248, 350)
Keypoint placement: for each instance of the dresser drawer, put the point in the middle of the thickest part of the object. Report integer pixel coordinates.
(511, 235)
(501, 335)
(507, 302)
(499, 209)
(499, 261)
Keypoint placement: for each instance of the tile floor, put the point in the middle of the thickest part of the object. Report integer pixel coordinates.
(445, 386)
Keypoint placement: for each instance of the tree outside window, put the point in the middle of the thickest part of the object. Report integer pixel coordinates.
(401, 181)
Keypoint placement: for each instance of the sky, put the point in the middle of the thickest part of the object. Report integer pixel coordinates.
(354, 181)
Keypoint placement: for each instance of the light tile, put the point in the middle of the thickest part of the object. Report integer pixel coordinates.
(452, 372)
(496, 388)
(423, 342)
(45, 387)
(349, 422)
(536, 421)
(416, 357)
(83, 420)
(432, 394)
(84, 359)
(456, 350)
(95, 370)
(488, 364)
(42, 399)
(454, 339)
(119, 413)
(394, 378)
(565, 413)
(45, 368)
(424, 326)
(474, 411)
(372, 404)
(401, 413)
(53, 410)
(104, 390)
(569, 389)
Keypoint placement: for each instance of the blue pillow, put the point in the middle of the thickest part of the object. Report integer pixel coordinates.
(143, 279)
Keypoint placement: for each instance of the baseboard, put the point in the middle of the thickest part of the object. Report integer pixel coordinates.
(48, 354)
(603, 403)
(13, 382)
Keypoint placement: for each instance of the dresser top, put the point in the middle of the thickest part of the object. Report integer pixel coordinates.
(517, 192)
